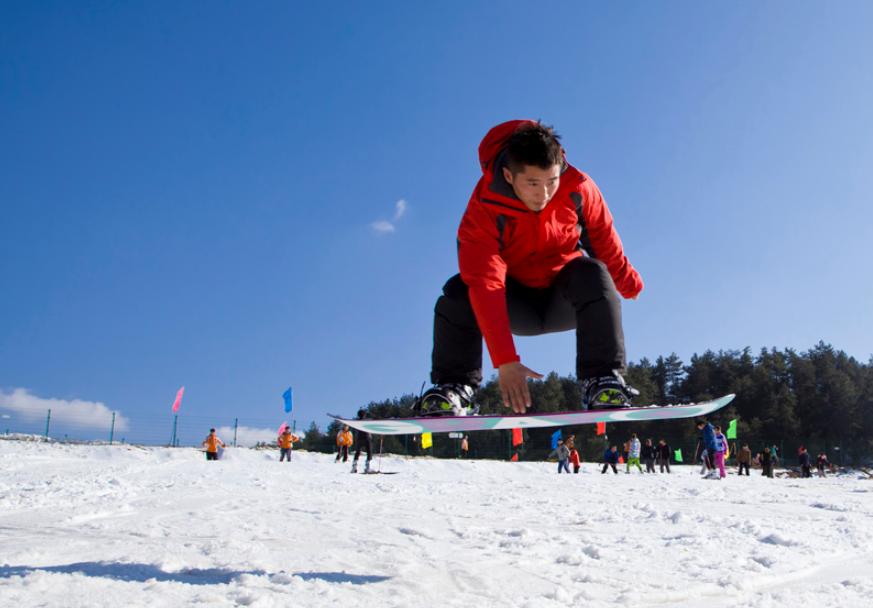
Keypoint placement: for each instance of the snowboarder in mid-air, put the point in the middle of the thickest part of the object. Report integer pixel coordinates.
(537, 253)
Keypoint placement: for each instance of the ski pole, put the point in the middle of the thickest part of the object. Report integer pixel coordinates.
(380, 452)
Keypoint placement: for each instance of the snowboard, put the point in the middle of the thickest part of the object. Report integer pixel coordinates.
(448, 424)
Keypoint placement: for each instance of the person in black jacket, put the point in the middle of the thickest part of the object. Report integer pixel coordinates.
(363, 442)
(648, 454)
(664, 455)
(804, 462)
(766, 462)
(610, 458)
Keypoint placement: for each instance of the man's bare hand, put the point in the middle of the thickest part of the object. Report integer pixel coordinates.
(512, 378)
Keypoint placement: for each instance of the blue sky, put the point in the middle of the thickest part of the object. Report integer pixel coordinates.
(189, 190)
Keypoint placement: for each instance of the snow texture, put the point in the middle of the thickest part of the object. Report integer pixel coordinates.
(122, 525)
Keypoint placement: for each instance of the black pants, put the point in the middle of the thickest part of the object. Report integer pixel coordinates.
(342, 452)
(582, 297)
(650, 465)
(664, 462)
(211, 455)
(746, 466)
(284, 453)
(606, 465)
(366, 447)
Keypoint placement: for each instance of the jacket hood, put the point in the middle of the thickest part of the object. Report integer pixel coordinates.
(492, 156)
(495, 140)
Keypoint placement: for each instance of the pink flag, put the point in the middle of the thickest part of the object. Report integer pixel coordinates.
(283, 427)
(178, 402)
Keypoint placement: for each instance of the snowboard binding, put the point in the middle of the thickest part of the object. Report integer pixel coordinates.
(607, 392)
(446, 400)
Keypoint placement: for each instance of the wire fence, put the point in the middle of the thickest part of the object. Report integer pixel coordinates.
(190, 430)
(172, 430)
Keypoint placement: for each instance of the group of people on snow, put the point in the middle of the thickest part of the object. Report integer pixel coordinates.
(566, 453)
(634, 452)
(345, 440)
(712, 455)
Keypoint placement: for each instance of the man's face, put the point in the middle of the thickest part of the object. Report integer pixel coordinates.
(533, 185)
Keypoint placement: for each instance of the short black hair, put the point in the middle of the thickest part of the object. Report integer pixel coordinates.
(537, 145)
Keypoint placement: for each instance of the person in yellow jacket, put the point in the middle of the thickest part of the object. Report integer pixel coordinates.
(344, 441)
(212, 443)
(286, 443)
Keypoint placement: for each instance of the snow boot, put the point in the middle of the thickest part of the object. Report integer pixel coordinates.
(604, 392)
(446, 400)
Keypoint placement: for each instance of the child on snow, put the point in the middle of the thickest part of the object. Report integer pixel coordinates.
(633, 454)
(744, 459)
(574, 459)
(664, 455)
(610, 459)
(562, 453)
(648, 456)
(719, 452)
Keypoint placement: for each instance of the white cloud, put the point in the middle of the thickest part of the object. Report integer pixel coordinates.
(399, 209)
(247, 436)
(384, 226)
(76, 412)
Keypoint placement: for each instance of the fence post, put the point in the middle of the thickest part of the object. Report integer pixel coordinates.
(235, 427)
(173, 440)
(47, 421)
(112, 430)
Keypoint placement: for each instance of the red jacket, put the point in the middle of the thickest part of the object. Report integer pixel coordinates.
(574, 457)
(499, 237)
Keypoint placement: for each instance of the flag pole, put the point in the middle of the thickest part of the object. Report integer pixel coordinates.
(175, 420)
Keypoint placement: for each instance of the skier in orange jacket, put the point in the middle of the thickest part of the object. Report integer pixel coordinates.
(211, 443)
(344, 441)
(286, 443)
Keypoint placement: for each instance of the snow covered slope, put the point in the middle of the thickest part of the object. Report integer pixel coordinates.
(111, 526)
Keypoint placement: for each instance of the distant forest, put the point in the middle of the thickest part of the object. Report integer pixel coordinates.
(821, 398)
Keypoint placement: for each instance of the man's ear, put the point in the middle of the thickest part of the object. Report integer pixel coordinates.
(507, 175)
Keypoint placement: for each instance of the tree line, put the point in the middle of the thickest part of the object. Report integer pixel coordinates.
(821, 398)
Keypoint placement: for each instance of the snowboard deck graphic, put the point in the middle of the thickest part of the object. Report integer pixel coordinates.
(447, 424)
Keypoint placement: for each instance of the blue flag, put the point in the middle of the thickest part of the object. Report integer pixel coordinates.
(555, 436)
(288, 402)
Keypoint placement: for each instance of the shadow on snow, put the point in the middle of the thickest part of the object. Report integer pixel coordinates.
(141, 573)
(342, 577)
